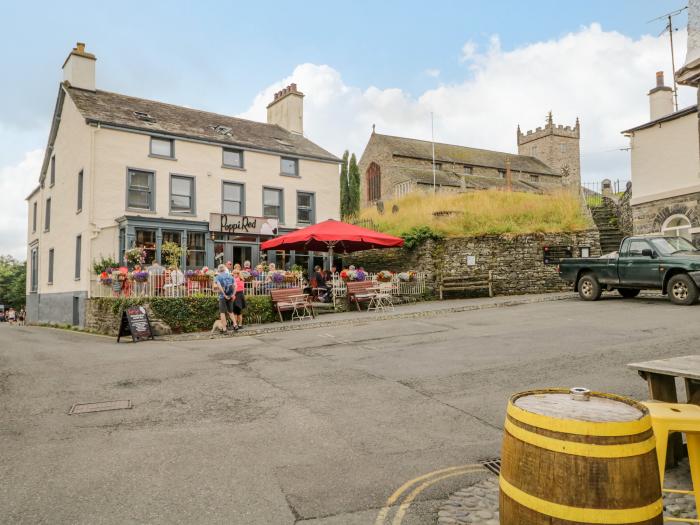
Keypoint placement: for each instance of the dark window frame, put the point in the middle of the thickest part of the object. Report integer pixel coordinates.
(312, 208)
(193, 196)
(34, 215)
(34, 270)
(280, 192)
(296, 167)
(81, 179)
(151, 190)
(159, 155)
(232, 166)
(224, 200)
(52, 171)
(49, 280)
(47, 215)
(78, 255)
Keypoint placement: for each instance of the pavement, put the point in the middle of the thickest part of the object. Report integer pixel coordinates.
(336, 424)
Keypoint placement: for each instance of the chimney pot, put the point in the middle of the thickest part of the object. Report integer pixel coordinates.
(293, 86)
(659, 79)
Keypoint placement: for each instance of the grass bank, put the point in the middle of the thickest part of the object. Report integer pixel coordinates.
(480, 213)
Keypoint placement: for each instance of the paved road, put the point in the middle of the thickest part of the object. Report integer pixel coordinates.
(316, 426)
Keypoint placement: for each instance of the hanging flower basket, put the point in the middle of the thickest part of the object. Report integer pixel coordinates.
(139, 277)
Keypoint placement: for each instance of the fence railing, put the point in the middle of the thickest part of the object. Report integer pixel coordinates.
(594, 192)
(174, 284)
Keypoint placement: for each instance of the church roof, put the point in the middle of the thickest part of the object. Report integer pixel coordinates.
(469, 182)
(450, 153)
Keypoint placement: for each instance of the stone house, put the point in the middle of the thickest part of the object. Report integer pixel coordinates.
(122, 172)
(665, 160)
(391, 167)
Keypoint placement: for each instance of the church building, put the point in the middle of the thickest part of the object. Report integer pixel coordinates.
(548, 158)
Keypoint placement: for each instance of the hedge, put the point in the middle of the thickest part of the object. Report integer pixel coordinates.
(191, 314)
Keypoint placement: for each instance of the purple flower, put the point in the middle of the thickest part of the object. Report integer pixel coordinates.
(190, 273)
(360, 275)
(140, 277)
(255, 273)
(278, 277)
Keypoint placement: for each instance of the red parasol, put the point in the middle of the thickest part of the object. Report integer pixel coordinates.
(332, 235)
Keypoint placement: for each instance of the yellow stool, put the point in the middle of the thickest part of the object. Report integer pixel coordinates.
(674, 417)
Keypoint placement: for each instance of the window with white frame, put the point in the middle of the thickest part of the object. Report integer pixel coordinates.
(232, 199)
(272, 203)
(305, 208)
(140, 190)
(677, 226)
(182, 194)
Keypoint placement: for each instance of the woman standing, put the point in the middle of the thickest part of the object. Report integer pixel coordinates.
(238, 299)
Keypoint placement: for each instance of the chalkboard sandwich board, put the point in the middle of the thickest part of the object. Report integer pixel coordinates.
(134, 322)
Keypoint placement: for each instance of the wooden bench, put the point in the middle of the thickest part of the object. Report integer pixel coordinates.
(360, 292)
(463, 283)
(289, 300)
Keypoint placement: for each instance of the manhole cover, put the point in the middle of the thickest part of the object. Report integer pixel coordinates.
(494, 465)
(230, 362)
(84, 408)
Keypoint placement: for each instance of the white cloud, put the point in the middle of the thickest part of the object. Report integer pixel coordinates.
(600, 76)
(16, 182)
(468, 51)
(432, 72)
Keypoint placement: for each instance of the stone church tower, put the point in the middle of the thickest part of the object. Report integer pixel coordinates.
(557, 147)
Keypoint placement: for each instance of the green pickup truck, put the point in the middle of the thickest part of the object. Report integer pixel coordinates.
(669, 264)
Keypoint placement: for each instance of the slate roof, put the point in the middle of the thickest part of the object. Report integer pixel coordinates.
(475, 182)
(448, 153)
(118, 110)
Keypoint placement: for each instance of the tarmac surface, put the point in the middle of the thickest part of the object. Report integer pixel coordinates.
(326, 425)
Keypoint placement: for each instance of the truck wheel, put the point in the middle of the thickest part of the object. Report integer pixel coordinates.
(588, 288)
(682, 290)
(628, 293)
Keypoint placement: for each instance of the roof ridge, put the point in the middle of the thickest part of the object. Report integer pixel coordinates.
(461, 146)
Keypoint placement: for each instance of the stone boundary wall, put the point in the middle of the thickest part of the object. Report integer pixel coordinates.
(100, 318)
(517, 262)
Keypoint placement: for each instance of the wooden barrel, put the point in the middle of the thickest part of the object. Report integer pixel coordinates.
(578, 458)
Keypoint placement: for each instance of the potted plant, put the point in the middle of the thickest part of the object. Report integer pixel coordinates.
(172, 253)
(384, 276)
(135, 256)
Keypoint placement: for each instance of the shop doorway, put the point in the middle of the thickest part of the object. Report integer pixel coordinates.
(236, 253)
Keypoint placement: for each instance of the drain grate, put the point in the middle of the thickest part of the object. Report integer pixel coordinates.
(85, 408)
(493, 465)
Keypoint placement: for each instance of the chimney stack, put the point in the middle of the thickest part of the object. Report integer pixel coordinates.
(660, 99)
(287, 109)
(79, 68)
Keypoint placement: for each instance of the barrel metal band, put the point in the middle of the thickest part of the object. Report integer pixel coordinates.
(581, 514)
(584, 428)
(590, 450)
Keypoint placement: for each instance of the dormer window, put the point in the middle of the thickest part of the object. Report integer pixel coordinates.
(162, 148)
(144, 116)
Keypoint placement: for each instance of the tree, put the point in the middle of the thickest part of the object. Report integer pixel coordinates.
(354, 189)
(13, 277)
(344, 187)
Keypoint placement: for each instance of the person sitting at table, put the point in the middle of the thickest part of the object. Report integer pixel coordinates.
(177, 279)
(320, 286)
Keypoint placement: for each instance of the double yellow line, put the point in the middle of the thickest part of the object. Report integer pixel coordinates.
(427, 480)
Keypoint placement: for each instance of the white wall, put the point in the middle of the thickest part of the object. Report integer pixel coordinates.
(665, 160)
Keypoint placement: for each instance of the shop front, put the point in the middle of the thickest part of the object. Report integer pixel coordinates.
(224, 238)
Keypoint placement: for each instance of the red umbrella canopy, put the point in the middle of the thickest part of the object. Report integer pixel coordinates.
(340, 236)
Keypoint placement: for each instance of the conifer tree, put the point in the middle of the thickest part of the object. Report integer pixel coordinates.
(354, 188)
(344, 187)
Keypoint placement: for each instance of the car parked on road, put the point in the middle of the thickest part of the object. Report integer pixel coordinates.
(669, 264)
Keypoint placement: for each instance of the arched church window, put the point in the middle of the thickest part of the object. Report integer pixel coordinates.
(374, 182)
(677, 226)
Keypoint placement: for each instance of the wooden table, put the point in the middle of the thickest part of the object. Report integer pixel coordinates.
(661, 375)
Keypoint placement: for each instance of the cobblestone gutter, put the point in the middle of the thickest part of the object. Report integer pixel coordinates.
(478, 503)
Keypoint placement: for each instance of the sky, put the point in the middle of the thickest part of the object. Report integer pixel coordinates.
(481, 68)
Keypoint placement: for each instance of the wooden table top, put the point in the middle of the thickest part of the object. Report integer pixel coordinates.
(687, 366)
